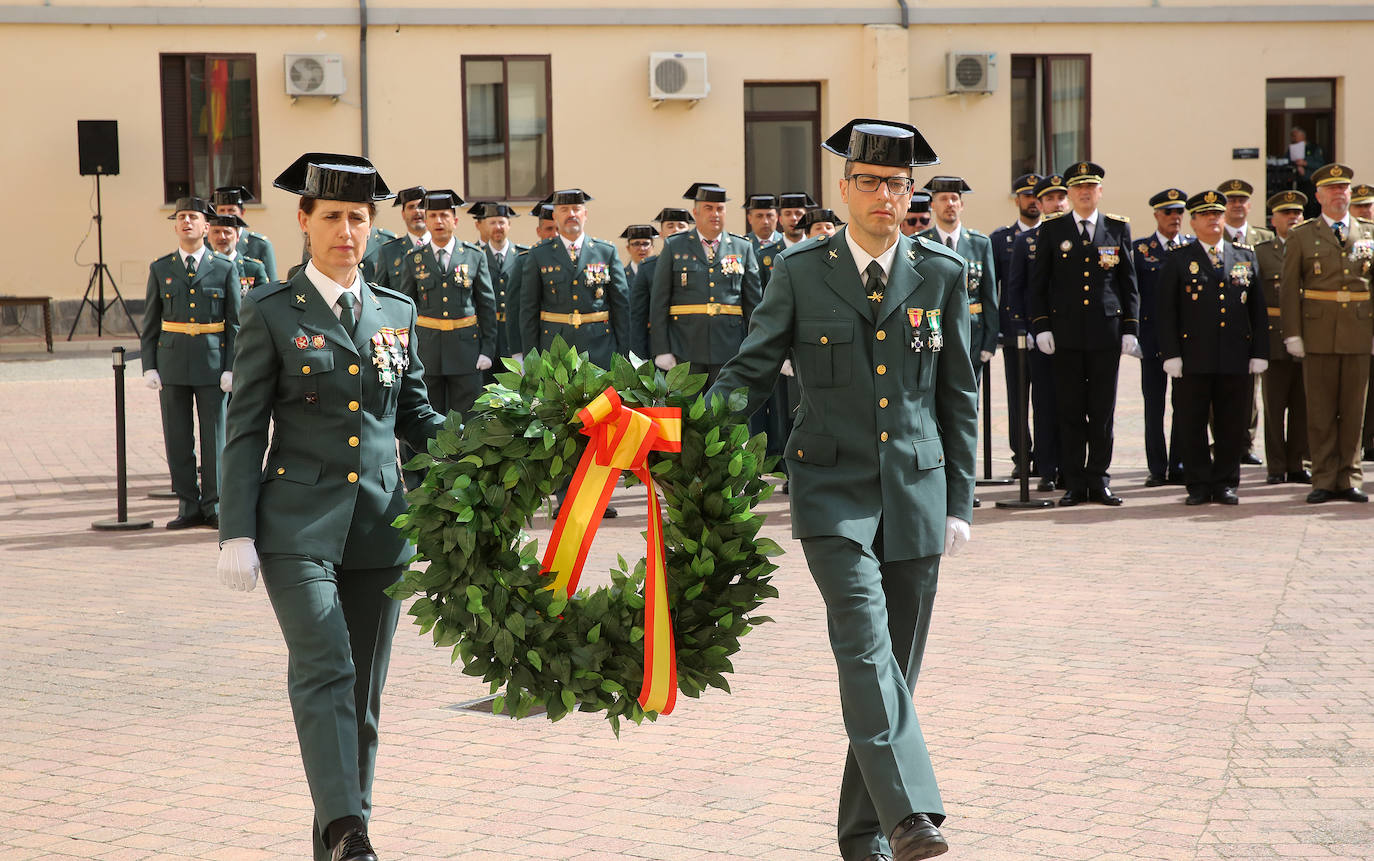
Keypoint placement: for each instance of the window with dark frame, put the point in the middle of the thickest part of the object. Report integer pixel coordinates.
(1051, 119)
(782, 136)
(209, 123)
(507, 140)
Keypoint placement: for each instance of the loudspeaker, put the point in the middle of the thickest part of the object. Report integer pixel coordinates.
(97, 142)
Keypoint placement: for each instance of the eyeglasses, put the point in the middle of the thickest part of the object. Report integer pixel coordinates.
(867, 182)
(641, 243)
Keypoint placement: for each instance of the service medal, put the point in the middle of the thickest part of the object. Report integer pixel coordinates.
(1108, 256)
(1142, 249)
(914, 315)
(1243, 295)
(1193, 268)
(1066, 245)
(937, 336)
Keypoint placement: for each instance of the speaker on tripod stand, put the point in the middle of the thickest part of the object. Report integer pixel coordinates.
(97, 144)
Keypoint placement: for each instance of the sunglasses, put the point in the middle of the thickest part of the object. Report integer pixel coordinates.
(917, 221)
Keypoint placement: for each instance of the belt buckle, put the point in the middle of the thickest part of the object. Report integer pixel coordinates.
(576, 319)
(712, 309)
(194, 329)
(1342, 295)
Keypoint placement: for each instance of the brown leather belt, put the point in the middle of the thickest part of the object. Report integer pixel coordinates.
(576, 318)
(192, 328)
(1336, 295)
(710, 309)
(446, 325)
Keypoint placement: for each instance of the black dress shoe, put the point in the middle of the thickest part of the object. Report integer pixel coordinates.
(1154, 480)
(1198, 498)
(1175, 478)
(1069, 498)
(1250, 460)
(211, 521)
(1046, 485)
(1302, 476)
(1319, 495)
(1274, 479)
(786, 486)
(1368, 454)
(1226, 496)
(977, 503)
(916, 837)
(611, 513)
(1354, 494)
(1105, 496)
(353, 846)
(186, 521)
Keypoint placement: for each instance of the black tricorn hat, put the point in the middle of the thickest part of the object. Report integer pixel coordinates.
(231, 195)
(881, 142)
(486, 209)
(710, 192)
(406, 195)
(817, 215)
(672, 213)
(920, 202)
(543, 209)
(569, 197)
(443, 198)
(227, 220)
(761, 201)
(955, 184)
(639, 231)
(191, 204)
(796, 200)
(333, 176)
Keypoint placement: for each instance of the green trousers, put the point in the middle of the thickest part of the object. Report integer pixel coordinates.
(179, 436)
(338, 625)
(878, 614)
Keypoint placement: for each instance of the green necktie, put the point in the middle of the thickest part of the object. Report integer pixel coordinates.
(190, 266)
(347, 302)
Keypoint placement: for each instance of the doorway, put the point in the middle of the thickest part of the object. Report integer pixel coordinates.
(1308, 104)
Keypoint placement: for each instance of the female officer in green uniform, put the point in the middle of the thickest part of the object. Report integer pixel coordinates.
(329, 362)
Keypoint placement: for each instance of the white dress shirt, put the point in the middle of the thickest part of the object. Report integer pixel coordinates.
(331, 290)
(862, 258)
(198, 255)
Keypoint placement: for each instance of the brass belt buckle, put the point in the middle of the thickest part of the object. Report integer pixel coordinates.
(194, 329)
(1342, 295)
(577, 319)
(712, 309)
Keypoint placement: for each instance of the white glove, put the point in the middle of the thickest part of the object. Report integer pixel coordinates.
(1044, 342)
(226, 382)
(787, 368)
(152, 380)
(1174, 367)
(1293, 344)
(1130, 346)
(985, 356)
(519, 357)
(957, 534)
(1259, 366)
(665, 361)
(483, 362)
(238, 564)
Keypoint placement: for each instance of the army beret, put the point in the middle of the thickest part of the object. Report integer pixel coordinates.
(1332, 174)
(334, 176)
(670, 213)
(227, 220)
(920, 202)
(406, 195)
(1169, 198)
(1287, 200)
(639, 231)
(1211, 200)
(191, 204)
(761, 201)
(231, 195)
(1362, 193)
(443, 198)
(817, 216)
(1025, 183)
(710, 192)
(796, 200)
(1084, 172)
(1053, 182)
(1236, 188)
(569, 197)
(881, 142)
(954, 184)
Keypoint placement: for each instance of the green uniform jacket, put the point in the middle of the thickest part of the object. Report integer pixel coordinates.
(976, 249)
(173, 297)
(640, 288)
(463, 291)
(551, 282)
(684, 277)
(1314, 260)
(251, 274)
(259, 247)
(331, 486)
(505, 285)
(377, 238)
(759, 244)
(767, 254)
(884, 433)
(1211, 317)
(1269, 259)
(390, 262)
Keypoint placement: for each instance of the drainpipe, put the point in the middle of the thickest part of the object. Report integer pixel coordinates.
(362, 67)
(906, 20)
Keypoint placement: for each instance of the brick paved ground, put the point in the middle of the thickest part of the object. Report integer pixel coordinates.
(1149, 682)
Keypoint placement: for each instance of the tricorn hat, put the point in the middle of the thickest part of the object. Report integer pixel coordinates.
(406, 195)
(334, 176)
(443, 198)
(881, 142)
(231, 195)
(673, 213)
(709, 192)
(639, 231)
(191, 204)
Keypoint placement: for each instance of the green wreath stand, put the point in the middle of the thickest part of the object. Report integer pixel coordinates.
(484, 593)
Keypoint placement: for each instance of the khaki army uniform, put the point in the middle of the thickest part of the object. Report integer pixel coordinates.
(1285, 401)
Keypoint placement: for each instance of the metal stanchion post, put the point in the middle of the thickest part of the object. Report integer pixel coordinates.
(1023, 437)
(122, 522)
(987, 480)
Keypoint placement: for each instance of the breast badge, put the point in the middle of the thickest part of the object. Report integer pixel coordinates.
(1108, 256)
(914, 316)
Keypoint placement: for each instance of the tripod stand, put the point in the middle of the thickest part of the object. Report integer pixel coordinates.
(99, 272)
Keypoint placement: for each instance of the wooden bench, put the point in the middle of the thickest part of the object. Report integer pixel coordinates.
(45, 302)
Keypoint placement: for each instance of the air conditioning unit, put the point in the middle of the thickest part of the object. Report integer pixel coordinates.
(677, 75)
(970, 72)
(315, 75)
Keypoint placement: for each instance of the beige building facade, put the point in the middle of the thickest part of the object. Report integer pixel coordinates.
(505, 101)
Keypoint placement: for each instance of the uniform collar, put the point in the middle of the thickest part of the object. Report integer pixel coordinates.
(945, 237)
(329, 290)
(198, 255)
(862, 258)
(1022, 227)
(418, 242)
(449, 249)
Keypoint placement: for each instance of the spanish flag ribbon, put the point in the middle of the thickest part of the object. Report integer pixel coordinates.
(621, 439)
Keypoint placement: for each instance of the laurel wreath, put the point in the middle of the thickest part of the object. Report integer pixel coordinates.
(483, 592)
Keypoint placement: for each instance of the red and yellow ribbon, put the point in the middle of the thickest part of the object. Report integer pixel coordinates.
(621, 439)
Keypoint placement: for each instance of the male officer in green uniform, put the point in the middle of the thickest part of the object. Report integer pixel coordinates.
(546, 227)
(224, 238)
(229, 200)
(329, 364)
(389, 265)
(639, 246)
(1326, 322)
(1085, 315)
(1210, 323)
(190, 318)
(671, 220)
(761, 211)
(917, 214)
(947, 202)
(704, 291)
(883, 458)
(821, 222)
(574, 285)
(503, 262)
(1285, 401)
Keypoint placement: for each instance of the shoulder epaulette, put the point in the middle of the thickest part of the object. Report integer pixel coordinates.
(523, 253)
(1361, 218)
(1050, 216)
(602, 242)
(254, 234)
(972, 232)
(170, 256)
(1242, 246)
(262, 291)
(521, 248)
(473, 245)
(938, 247)
(382, 231)
(217, 255)
(253, 259)
(388, 292)
(1116, 217)
(1179, 247)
